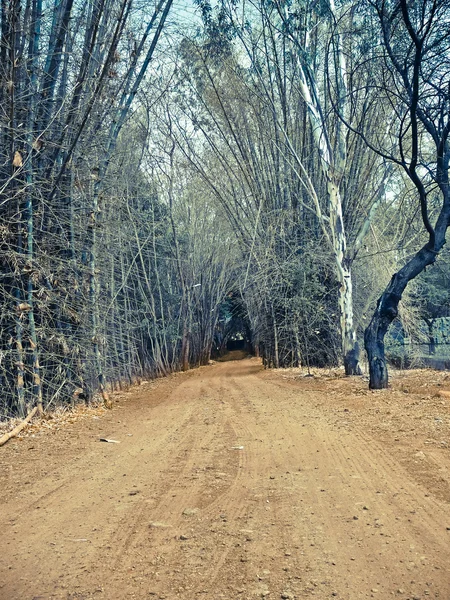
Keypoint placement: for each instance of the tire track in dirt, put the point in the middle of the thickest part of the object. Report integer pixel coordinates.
(199, 458)
(215, 511)
(374, 490)
(232, 505)
(271, 552)
(82, 510)
(306, 508)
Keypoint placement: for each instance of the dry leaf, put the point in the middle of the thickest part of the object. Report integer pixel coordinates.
(24, 307)
(37, 144)
(17, 160)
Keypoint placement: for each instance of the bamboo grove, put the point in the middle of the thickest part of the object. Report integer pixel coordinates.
(171, 175)
(92, 290)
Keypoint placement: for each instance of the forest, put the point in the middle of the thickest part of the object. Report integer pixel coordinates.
(175, 175)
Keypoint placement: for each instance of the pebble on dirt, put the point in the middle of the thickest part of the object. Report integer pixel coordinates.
(189, 512)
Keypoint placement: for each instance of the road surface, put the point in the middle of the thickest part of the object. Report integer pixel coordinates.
(230, 483)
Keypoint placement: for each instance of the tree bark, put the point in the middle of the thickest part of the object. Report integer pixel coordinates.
(333, 165)
(387, 310)
(185, 348)
(350, 346)
(276, 358)
(431, 338)
(419, 119)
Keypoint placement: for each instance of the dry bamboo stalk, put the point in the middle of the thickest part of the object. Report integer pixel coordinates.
(19, 427)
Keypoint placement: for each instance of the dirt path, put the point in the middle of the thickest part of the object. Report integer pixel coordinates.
(229, 483)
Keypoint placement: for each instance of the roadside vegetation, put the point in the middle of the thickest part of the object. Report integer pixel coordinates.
(177, 179)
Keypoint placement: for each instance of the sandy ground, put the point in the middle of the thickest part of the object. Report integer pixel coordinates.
(231, 482)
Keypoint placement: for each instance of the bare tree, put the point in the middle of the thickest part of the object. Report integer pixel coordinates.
(413, 57)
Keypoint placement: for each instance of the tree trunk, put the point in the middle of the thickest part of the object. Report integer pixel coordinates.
(374, 340)
(333, 162)
(350, 346)
(297, 352)
(185, 349)
(432, 345)
(29, 208)
(276, 358)
(431, 338)
(387, 310)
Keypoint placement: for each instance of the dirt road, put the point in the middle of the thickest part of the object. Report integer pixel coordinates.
(231, 483)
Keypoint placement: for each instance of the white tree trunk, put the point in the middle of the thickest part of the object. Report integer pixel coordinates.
(350, 348)
(332, 168)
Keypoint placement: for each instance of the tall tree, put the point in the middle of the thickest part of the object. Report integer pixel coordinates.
(289, 151)
(414, 62)
(323, 51)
